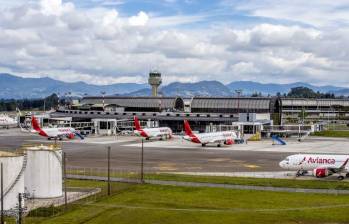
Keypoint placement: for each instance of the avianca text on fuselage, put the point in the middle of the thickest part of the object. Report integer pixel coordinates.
(219, 138)
(321, 165)
(148, 133)
(55, 133)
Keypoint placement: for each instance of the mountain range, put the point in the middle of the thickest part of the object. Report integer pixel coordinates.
(14, 87)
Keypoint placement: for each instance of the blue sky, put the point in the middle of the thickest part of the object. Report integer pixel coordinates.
(110, 41)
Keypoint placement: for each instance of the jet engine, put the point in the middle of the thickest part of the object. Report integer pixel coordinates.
(321, 172)
(229, 142)
(71, 136)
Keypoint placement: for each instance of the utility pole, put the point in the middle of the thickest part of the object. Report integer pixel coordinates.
(142, 162)
(103, 93)
(20, 210)
(109, 149)
(65, 180)
(2, 195)
(238, 91)
(58, 100)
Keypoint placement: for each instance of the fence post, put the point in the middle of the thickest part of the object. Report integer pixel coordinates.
(19, 208)
(65, 180)
(142, 162)
(109, 149)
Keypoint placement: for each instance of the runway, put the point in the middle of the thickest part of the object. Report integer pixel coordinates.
(175, 155)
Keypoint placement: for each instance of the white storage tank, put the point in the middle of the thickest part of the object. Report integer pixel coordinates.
(13, 177)
(43, 176)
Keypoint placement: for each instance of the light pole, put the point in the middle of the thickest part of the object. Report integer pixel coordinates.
(103, 93)
(58, 94)
(108, 161)
(142, 162)
(238, 92)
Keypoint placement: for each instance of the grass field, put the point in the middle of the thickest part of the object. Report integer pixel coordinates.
(337, 127)
(167, 204)
(267, 182)
(332, 133)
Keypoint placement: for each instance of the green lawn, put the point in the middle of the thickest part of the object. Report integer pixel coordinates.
(337, 127)
(167, 204)
(269, 182)
(332, 133)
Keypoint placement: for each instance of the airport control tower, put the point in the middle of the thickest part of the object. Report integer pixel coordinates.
(155, 81)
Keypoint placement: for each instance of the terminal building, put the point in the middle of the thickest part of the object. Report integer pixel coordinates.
(203, 112)
(313, 110)
(171, 111)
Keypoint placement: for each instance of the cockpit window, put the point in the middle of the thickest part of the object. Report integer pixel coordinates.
(287, 159)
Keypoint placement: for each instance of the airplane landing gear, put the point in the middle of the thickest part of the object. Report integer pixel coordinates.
(340, 177)
(301, 173)
(203, 144)
(347, 175)
(219, 145)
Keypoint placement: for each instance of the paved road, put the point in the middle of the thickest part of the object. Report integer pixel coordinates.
(228, 186)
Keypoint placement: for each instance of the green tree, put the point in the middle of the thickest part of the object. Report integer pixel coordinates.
(302, 92)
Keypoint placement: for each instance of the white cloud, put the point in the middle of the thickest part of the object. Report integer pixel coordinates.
(55, 7)
(103, 46)
(140, 20)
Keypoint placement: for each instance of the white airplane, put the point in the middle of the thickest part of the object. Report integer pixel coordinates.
(54, 133)
(321, 165)
(219, 138)
(7, 121)
(149, 133)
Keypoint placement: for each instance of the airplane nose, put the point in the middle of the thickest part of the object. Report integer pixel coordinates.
(282, 164)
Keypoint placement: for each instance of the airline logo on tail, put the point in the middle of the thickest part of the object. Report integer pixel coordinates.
(137, 123)
(36, 127)
(189, 132)
(139, 131)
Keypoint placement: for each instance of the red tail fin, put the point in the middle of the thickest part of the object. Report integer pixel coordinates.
(137, 124)
(187, 129)
(35, 124)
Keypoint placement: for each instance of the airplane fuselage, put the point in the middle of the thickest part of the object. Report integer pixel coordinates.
(312, 161)
(57, 132)
(154, 132)
(6, 121)
(225, 137)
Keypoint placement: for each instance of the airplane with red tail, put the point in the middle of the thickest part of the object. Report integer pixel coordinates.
(54, 133)
(321, 165)
(148, 133)
(219, 138)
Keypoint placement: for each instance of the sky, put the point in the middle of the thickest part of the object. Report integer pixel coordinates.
(120, 41)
